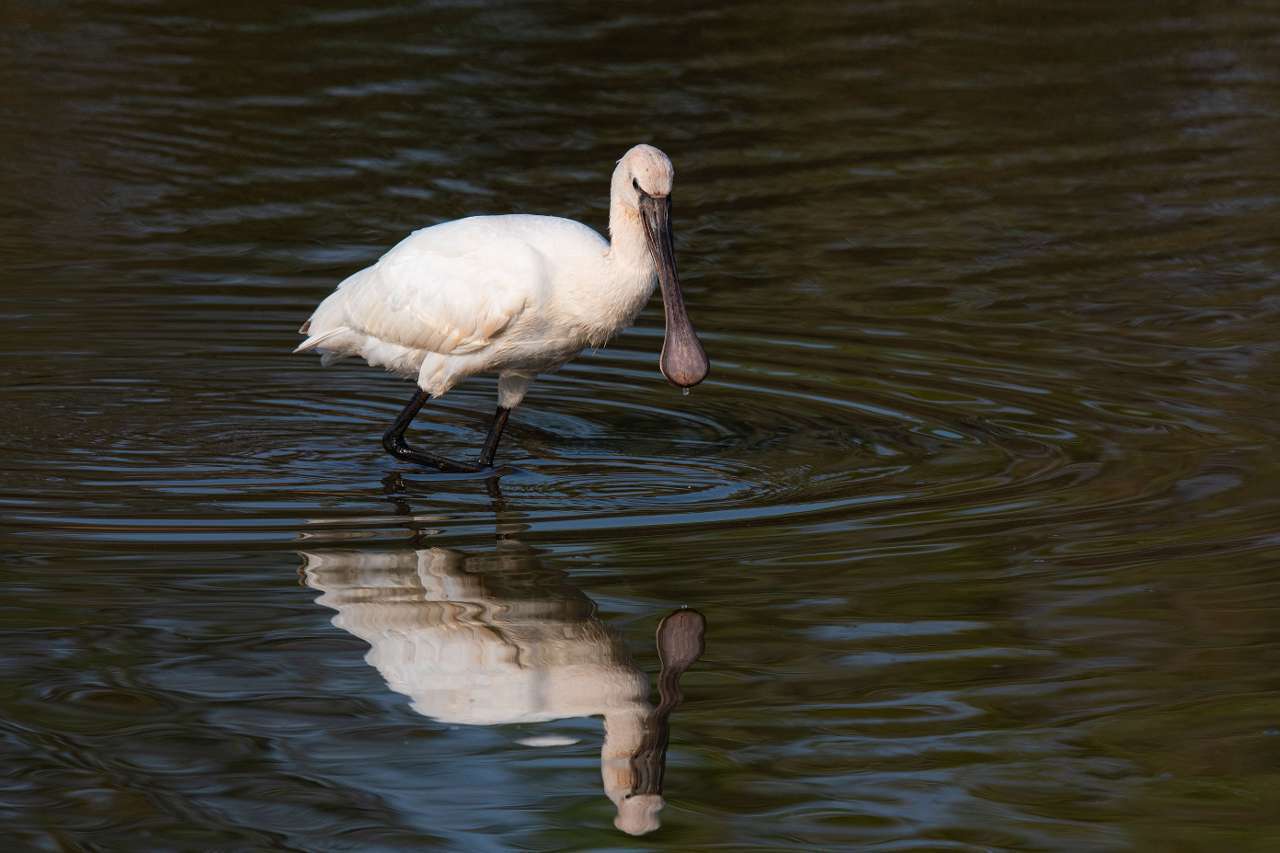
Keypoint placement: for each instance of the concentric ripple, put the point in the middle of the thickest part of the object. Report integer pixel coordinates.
(979, 500)
(257, 446)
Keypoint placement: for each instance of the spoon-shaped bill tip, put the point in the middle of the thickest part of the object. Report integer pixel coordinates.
(681, 639)
(683, 360)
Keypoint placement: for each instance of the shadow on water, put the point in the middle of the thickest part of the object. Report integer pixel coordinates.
(496, 639)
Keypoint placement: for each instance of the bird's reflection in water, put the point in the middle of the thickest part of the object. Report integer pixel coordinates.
(497, 638)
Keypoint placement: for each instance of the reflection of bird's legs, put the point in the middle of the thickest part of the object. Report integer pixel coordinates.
(393, 440)
(498, 504)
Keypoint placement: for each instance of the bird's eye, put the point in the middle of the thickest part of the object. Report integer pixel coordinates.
(635, 184)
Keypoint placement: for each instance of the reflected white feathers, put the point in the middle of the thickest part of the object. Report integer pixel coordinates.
(495, 639)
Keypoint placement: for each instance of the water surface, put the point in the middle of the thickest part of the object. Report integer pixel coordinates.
(979, 501)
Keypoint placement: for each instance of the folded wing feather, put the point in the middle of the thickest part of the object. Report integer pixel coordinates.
(435, 291)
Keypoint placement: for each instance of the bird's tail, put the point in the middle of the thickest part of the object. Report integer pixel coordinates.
(316, 340)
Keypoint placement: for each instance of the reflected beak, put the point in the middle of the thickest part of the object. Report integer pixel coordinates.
(683, 360)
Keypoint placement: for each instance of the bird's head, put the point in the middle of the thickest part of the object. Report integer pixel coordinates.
(643, 181)
(647, 171)
(638, 815)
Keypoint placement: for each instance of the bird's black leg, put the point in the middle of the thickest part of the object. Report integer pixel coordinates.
(394, 443)
(495, 435)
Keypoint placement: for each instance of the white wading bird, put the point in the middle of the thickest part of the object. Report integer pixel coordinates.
(514, 295)
(497, 639)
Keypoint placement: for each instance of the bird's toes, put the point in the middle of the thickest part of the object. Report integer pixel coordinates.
(499, 470)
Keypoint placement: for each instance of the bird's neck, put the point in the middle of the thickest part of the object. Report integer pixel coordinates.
(628, 246)
(623, 734)
(610, 298)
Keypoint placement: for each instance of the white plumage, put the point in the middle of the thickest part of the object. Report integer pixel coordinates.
(448, 632)
(515, 294)
(481, 295)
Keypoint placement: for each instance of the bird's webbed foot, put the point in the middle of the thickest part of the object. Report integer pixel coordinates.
(400, 449)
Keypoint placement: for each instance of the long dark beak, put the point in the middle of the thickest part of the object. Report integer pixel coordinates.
(683, 360)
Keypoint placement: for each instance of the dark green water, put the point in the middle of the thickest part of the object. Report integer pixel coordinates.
(981, 502)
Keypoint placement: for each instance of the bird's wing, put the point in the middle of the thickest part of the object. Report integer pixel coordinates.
(445, 290)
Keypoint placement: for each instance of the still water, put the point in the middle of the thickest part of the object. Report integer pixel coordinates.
(979, 503)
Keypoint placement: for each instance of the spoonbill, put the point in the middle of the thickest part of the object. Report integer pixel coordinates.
(498, 639)
(515, 295)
